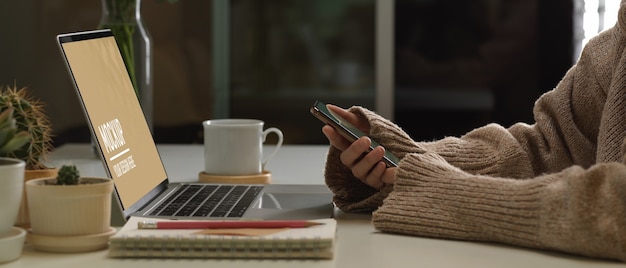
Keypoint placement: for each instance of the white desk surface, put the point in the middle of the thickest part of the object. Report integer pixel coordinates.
(358, 243)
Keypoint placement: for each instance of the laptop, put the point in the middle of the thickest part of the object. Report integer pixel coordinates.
(130, 156)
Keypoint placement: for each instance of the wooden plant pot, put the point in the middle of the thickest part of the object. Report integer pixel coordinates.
(69, 210)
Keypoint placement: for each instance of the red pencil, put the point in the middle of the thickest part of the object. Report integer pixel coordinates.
(224, 224)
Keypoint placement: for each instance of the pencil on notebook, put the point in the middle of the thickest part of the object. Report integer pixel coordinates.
(225, 224)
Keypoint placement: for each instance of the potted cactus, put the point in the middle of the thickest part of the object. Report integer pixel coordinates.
(69, 213)
(30, 120)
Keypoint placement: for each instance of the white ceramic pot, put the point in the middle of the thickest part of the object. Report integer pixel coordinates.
(11, 244)
(69, 210)
(12, 181)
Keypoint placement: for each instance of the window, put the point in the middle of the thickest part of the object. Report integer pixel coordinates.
(274, 58)
(592, 17)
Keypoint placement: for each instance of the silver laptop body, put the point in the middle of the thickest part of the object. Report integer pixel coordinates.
(130, 155)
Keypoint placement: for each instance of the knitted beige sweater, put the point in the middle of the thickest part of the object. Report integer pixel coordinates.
(559, 184)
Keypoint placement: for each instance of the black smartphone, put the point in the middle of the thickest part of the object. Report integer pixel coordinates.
(347, 130)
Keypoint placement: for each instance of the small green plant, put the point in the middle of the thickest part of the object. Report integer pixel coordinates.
(30, 118)
(68, 175)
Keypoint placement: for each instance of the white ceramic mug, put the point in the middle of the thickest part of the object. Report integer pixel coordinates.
(12, 180)
(234, 147)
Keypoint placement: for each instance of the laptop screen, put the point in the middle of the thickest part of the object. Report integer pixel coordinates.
(113, 113)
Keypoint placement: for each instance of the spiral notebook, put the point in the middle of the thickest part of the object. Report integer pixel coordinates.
(315, 242)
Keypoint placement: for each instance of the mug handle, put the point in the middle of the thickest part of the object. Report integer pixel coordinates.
(278, 144)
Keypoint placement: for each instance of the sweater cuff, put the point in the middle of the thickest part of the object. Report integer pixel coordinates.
(435, 199)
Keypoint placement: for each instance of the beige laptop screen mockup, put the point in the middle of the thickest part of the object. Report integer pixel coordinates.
(121, 130)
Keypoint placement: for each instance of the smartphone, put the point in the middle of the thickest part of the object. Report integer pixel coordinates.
(347, 130)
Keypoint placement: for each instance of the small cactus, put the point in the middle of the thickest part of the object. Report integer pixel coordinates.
(68, 175)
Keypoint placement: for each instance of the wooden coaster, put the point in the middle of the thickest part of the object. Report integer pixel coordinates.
(263, 178)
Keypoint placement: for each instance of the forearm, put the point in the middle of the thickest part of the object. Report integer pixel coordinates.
(489, 150)
(576, 210)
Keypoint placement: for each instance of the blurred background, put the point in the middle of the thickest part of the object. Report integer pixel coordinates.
(451, 65)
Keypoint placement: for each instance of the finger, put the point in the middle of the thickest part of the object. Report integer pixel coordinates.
(353, 118)
(389, 175)
(334, 138)
(353, 154)
(362, 168)
(374, 178)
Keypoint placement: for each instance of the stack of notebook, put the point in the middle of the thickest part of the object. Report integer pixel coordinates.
(312, 242)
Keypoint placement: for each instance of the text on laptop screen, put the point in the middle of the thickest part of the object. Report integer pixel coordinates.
(116, 116)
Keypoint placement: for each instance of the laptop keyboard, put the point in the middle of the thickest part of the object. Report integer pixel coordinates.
(193, 200)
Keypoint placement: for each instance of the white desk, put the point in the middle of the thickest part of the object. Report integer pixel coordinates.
(358, 244)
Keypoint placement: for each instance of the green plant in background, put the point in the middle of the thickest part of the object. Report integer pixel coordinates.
(10, 139)
(68, 175)
(122, 18)
(30, 120)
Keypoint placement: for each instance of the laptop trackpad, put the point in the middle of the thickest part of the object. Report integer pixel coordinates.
(281, 205)
(292, 200)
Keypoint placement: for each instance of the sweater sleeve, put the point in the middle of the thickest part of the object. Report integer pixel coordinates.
(579, 211)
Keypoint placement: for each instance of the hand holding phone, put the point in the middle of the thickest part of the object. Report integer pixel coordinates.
(347, 130)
